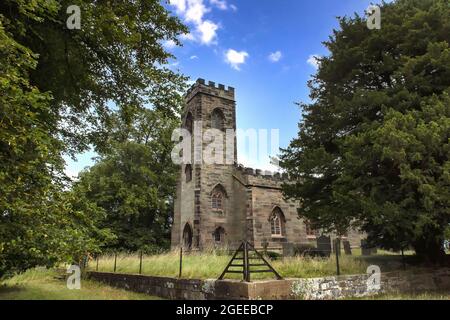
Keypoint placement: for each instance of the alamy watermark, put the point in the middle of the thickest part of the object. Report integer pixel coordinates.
(73, 22)
(74, 280)
(373, 17)
(374, 281)
(214, 146)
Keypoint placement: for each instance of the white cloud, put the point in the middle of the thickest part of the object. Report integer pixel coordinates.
(169, 44)
(221, 4)
(312, 60)
(207, 30)
(275, 56)
(193, 57)
(187, 36)
(195, 12)
(180, 5)
(235, 58)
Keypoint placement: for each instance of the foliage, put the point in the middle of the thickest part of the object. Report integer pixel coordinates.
(57, 88)
(116, 58)
(37, 224)
(373, 146)
(135, 182)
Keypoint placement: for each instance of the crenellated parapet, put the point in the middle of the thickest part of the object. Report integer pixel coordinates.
(259, 177)
(210, 88)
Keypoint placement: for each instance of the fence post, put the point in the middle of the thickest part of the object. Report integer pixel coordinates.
(403, 260)
(337, 248)
(246, 271)
(140, 263)
(181, 262)
(96, 267)
(115, 261)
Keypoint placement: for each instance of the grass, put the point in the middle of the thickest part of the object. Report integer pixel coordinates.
(209, 265)
(44, 284)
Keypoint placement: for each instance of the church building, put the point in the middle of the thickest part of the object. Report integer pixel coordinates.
(220, 205)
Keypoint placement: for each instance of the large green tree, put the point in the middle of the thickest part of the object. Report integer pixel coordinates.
(134, 183)
(39, 224)
(373, 145)
(117, 57)
(57, 89)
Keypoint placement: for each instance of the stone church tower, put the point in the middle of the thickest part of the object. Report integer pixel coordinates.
(223, 204)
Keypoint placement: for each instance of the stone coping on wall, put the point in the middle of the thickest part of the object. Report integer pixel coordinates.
(333, 287)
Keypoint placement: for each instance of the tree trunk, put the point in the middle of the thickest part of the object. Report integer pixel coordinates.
(430, 251)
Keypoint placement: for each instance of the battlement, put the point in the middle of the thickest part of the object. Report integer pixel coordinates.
(263, 174)
(210, 88)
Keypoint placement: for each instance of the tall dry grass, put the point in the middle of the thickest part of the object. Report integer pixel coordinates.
(210, 264)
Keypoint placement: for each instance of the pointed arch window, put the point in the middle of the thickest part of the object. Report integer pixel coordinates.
(218, 196)
(189, 122)
(187, 236)
(219, 234)
(217, 201)
(188, 173)
(277, 222)
(217, 119)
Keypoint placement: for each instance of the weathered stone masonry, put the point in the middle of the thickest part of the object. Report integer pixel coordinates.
(308, 289)
(224, 204)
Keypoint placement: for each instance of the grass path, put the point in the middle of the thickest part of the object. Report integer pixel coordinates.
(43, 284)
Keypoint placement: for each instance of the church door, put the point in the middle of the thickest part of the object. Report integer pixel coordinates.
(187, 236)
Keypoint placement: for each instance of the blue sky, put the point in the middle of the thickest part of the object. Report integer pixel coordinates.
(263, 48)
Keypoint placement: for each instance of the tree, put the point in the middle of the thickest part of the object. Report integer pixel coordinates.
(57, 88)
(116, 58)
(39, 224)
(373, 146)
(134, 183)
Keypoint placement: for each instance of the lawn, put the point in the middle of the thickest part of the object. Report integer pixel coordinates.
(209, 265)
(44, 284)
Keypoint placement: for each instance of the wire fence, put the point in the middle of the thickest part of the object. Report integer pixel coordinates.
(335, 251)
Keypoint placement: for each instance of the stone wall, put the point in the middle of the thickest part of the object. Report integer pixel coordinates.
(310, 289)
(175, 289)
(356, 285)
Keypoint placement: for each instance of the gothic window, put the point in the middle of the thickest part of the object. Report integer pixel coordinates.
(188, 173)
(219, 234)
(187, 236)
(310, 231)
(217, 119)
(189, 122)
(218, 199)
(277, 222)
